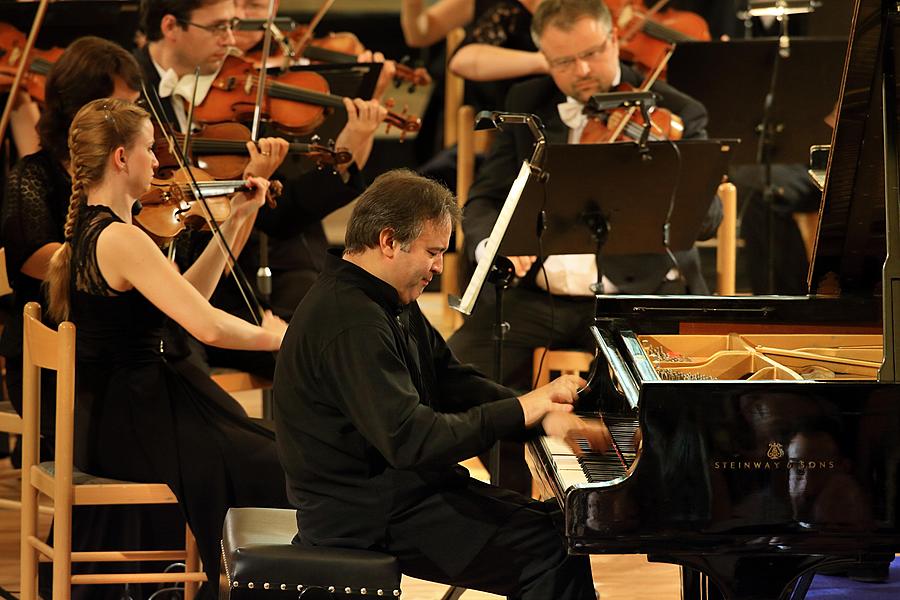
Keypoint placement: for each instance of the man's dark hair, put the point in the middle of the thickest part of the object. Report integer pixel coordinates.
(564, 13)
(403, 202)
(152, 12)
(86, 71)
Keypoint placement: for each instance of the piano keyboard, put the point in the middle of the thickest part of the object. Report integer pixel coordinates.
(591, 466)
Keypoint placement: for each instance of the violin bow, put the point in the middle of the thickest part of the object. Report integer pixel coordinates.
(243, 285)
(648, 83)
(23, 65)
(313, 23)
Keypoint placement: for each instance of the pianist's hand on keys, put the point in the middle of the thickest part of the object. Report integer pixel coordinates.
(571, 428)
(558, 395)
(551, 405)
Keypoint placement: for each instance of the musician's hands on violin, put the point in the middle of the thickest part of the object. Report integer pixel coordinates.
(265, 156)
(557, 396)
(363, 119)
(246, 203)
(571, 428)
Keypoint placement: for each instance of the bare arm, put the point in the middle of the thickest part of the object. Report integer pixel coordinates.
(23, 125)
(37, 264)
(127, 258)
(483, 62)
(423, 28)
(206, 271)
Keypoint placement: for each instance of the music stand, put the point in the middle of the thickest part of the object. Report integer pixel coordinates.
(114, 20)
(609, 199)
(806, 91)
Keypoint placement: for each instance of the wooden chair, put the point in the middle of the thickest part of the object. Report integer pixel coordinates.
(454, 89)
(66, 487)
(560, 362)
(10, 421)
(808, 224)
(726, 241)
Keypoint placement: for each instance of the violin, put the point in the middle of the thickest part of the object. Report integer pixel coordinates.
(628, 124)
(344, 48)
(621, 125)
(12, 44)
(171, 204)
(645, 35)
(221, 151)
(297, 102)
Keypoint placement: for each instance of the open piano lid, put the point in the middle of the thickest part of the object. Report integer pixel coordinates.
(858, 246)
(850, 249)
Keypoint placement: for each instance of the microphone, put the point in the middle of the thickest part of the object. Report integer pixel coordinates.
(613, 100)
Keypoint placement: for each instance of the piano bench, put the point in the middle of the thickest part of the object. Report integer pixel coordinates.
(260, 562)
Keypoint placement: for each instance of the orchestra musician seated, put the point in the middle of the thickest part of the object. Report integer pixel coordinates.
(580, 43)
(187, 33)
(141, 416)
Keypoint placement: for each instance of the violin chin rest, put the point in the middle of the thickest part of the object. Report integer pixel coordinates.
(136, 208)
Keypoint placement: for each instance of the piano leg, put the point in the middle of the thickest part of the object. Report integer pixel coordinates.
(734, 577)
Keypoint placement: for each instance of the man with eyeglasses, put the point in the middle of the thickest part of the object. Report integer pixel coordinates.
(185, 34)
(580, 43)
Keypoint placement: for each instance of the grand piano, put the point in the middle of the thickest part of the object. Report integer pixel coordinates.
(768, 439)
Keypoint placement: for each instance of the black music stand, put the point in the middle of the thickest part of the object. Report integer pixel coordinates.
(806, 90)
(114, 20)
(614, 199)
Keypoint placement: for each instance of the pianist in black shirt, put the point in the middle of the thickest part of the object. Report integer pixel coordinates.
(373, 413)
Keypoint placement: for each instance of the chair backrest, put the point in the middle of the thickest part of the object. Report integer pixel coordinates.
(548, 363)
(726, 241)
(454, 88)
(44, 348)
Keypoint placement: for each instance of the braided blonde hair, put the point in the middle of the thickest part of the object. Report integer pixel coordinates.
(97, 130)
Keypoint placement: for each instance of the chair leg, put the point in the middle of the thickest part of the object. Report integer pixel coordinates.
(62, 555)
(28, 555)
(191, 563)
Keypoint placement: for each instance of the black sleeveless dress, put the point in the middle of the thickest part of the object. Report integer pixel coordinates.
(143, 418)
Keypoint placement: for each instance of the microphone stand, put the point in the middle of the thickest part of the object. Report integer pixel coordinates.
(768, 129)
(263, 272)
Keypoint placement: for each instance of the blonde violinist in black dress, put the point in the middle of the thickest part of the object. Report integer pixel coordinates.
(138, 417)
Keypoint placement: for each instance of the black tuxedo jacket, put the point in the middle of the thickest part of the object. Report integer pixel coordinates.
(635, 274)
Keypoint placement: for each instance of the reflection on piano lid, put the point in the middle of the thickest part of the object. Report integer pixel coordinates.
(818, 163)
(770, 425)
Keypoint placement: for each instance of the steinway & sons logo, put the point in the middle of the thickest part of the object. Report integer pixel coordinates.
(776, 461)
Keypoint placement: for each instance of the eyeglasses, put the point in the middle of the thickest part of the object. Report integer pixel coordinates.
(566, 64)
(221, 30)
